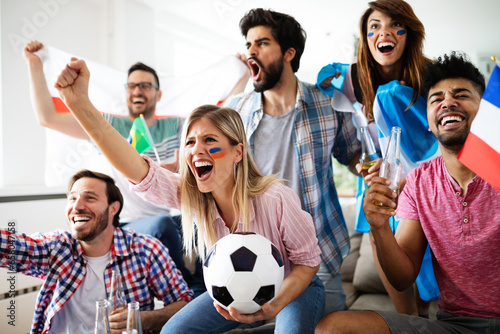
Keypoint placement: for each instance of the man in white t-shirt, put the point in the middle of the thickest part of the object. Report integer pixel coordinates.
(76, 265)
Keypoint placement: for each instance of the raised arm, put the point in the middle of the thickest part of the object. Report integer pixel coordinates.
(41, 100)
(73, 88)
(400, 255)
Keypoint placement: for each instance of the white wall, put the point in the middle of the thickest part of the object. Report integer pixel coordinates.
(182, 37)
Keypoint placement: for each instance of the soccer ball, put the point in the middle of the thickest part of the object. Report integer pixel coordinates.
(244, 271)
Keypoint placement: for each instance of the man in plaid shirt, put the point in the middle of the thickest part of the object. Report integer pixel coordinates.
(77, 264)
(293, 131)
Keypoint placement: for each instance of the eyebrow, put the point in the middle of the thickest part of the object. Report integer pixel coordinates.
(88, 192)
(259, 40)
(455, 91)
(204, 136)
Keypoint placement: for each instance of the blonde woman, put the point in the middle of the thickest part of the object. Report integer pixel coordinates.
(219, 190)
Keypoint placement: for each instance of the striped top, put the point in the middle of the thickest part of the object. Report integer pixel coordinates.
(276, 214)
(166, 133)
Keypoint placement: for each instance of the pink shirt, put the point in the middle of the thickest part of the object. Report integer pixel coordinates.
(276, 214)
(464, 236)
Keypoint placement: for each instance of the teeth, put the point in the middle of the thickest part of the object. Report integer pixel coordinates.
(79, 219)
(447, 119)
(138, 100)
(202, 163)
(381, 45)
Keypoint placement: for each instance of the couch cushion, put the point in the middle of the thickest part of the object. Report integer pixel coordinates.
(349, 262)
(366, 278)
(373, 301)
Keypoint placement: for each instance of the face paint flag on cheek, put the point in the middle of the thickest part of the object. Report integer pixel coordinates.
(370, 34)
(401, 33)
(216, 152)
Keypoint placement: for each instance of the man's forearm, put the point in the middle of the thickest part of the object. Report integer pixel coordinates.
(156, 319)
(396, 264)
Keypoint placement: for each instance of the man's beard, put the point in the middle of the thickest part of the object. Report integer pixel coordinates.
(453, 142)
(100, 225)
(271, 76)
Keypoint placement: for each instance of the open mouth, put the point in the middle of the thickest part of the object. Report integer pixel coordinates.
(450, 120)
(386, 47)
(80, 219)
(137, 101)
(254, 68)
(203, 169)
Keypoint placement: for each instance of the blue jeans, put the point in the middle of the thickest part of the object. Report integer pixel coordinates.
(167, 229)
(300, 316)
(335, 295)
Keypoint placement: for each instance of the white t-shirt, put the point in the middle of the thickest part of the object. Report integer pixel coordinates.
(78, 314)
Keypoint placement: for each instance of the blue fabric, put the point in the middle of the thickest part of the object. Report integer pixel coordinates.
(491, 93)
(329, 71)
(417, 142)
(300, 316)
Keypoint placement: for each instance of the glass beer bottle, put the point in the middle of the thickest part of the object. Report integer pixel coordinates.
(134, 319)
(391, 167)
(101, 317)
(116, 301)
(368, 151)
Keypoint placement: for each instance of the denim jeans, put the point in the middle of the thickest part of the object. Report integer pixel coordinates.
(335, 295)
(167, 229)
(300, 316)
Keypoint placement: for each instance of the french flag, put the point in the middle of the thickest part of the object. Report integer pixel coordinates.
(481, 151)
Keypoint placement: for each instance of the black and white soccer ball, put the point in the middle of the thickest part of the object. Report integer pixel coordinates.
(244, 271)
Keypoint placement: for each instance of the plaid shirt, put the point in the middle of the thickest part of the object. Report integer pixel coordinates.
(319, 132)
(57, 258)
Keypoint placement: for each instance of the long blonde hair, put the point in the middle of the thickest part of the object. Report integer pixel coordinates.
(413, 58)
(200, 207)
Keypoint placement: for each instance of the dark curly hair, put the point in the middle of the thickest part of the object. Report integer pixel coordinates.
(284, 28)
(456, 65)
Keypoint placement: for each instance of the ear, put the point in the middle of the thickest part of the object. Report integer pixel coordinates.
(239, 152)
(158, 95)
(113, 209)
(289, 55)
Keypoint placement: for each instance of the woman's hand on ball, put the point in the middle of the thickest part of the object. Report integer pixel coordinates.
(266, 312)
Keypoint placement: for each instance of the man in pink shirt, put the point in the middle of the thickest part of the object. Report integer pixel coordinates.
(446, 205)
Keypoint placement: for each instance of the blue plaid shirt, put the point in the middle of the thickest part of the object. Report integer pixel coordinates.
(56, 257)
(319, 132)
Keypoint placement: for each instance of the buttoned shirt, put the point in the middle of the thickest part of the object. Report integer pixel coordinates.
(319, 133)
(463, 233)
(146, 268)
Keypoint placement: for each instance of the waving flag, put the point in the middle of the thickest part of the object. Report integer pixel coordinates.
(65, 155)
(138, 137)
(481, 152)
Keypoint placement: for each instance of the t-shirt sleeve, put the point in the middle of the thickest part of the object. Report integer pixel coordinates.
(407, 204)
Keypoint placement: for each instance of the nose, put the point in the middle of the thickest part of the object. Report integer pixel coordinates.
(198, 148)
(78, 204)
(252, 50)
(449, 102)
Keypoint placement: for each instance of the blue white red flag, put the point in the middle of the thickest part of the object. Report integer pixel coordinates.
(481, 152)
